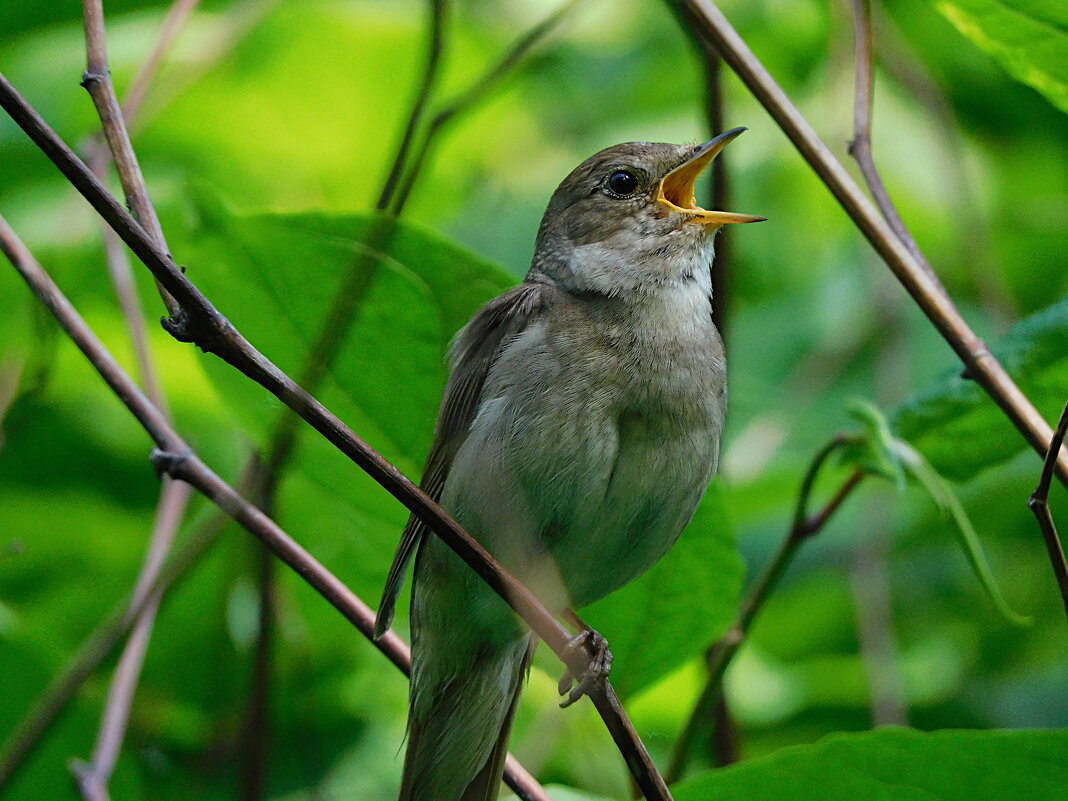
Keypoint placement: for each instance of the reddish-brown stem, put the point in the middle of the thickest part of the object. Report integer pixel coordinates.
(928, 294)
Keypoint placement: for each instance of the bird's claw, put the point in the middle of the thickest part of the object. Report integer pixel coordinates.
(597, 669)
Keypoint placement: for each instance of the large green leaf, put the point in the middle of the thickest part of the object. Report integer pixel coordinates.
(1029, 38)
(896, 764)
(958, 427)
(277, 277)
(680, 607)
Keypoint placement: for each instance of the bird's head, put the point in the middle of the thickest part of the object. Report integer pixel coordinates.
(625, 220)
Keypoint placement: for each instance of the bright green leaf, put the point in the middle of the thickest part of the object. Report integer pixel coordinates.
(1029, 38)
(894, 764)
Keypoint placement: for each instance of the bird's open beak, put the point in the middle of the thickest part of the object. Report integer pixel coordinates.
(676, 188)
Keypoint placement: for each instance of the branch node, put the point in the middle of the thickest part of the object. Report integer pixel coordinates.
(91, 79)
(168, 463)
(202, 331)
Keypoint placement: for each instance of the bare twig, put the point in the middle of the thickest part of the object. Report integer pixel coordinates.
(11, 370)
(719, 655)
(979, 362)
(96, 648)
(1039, 504)
(93, 778)
(860, 147)
(97, 80)
(438, 9)
(256, 738)
(172, 25)
(875, 629)
(174, 458)
(476, 92)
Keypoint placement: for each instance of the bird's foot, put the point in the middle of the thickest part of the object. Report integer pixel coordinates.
(597, 668)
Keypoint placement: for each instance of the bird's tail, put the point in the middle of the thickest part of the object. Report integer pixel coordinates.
(458, 727)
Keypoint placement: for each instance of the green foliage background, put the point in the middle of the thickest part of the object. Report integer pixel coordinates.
(265, 143)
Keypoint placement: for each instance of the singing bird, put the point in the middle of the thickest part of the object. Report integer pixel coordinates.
(578, 432)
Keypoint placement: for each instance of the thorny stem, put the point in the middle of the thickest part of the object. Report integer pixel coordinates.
(475, 93)
(1039, 504)
(719, 655)
(928, 294)
(175, 458)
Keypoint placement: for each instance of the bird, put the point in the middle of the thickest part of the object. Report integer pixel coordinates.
(578, 432)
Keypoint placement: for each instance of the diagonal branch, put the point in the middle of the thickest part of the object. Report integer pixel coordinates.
(94, 777)
(438, 9)
(979, 362)
(264, 477)
(1039, 504)
(860, 149)
(720, 654)
(97, 80)
(173, 456)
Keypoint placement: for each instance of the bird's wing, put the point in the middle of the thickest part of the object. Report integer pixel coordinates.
(473, 353)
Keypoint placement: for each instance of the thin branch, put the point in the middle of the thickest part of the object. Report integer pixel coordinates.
(94, 777)
(979, 362)
(11, 371)
(1039, 504)
(438, 9)
(96, 648)
(256, 739)
(171, 26)
(97, 80)
(719, 655)
(174, 457)
(474, 94)
(860, 147)
(875, 630)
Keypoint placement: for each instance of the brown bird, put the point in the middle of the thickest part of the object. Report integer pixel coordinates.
(578, 433)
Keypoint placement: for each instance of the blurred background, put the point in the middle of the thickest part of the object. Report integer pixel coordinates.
(294, 110)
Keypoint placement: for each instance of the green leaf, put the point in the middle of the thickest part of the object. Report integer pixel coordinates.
(1029, 38)
(889, 456)
(958, 427)
(277, 277)
(680, 607)
(895, 764)
(947, 501)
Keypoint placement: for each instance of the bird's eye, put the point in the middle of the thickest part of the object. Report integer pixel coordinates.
(622, 183)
